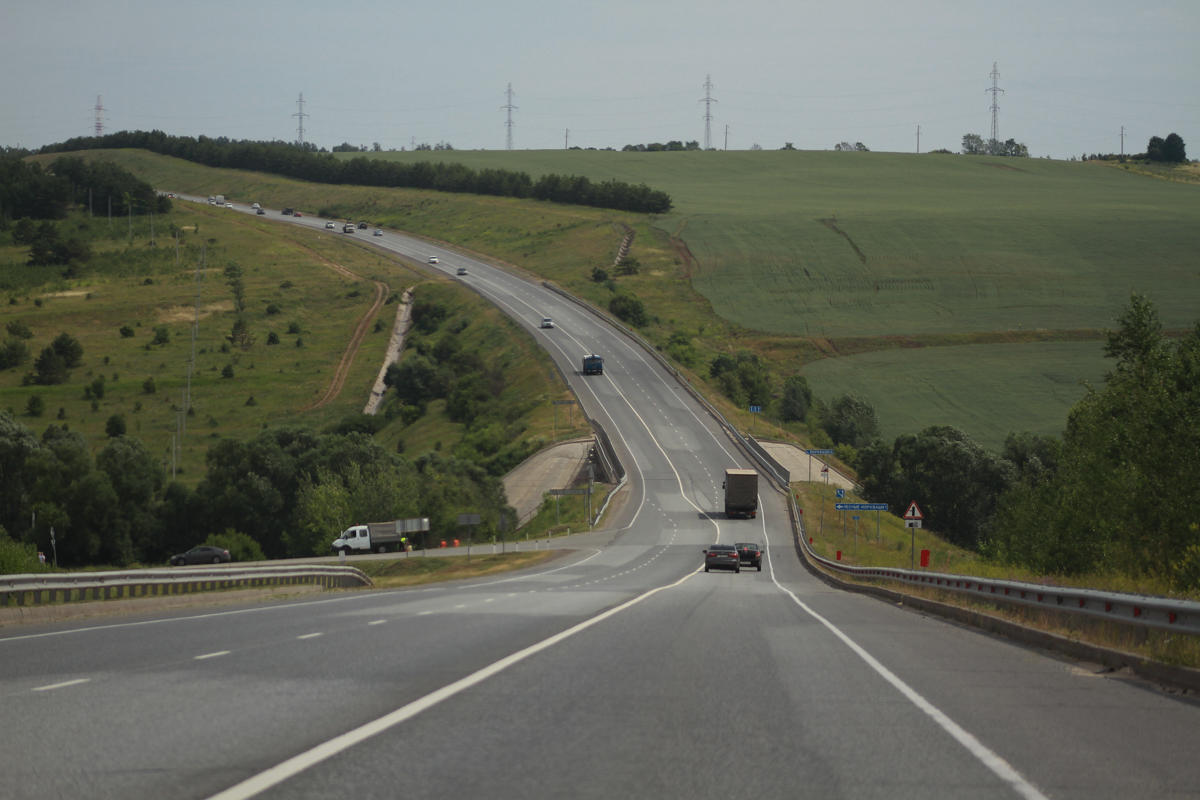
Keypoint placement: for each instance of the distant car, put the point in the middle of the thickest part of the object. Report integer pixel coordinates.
(229, 205)
(298, 214)
(749, 554)
(547, 322)
(461, 271)
(255, 206)
(206, 554)
(433, 259)
(287, 212)
(378, 232)
(362, 226)
(722, 556)
(261, 211)
(329, 225)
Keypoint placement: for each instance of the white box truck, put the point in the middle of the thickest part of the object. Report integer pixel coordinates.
(377, 537)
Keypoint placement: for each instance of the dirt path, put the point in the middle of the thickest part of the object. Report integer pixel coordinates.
(343, 367)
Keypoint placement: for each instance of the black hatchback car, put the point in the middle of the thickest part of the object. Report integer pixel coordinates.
(749, 554)
(205, 554)
(722, 556)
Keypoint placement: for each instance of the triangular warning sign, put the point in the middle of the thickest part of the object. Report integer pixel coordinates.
(914, 512)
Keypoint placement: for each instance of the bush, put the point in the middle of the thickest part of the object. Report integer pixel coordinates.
(272, 338)
(285, 285)
(629, 309)
(241, 547)
(293, 328)
(272, 310)
(17, 558)
(19, 329)
(228, 371)
(69, 348)
(13, 353)
(126, 332)
(161, 335)
(599, 274)
(148, 386)
(115, 426)
(50, 368)
(35, 406)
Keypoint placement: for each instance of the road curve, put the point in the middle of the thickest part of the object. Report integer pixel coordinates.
(620, 670)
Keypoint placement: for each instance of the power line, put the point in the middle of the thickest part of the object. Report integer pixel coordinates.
(301, 115)
(995, 108)
(99, 111)
(509, 107)
(708, 101)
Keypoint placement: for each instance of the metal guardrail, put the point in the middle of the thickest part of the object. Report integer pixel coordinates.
(1143, 611)
(76, 587)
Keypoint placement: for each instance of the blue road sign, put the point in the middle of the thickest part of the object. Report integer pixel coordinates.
(841, 493)
(855, 516)
(755, 409)
(861, 506)
(819, 452)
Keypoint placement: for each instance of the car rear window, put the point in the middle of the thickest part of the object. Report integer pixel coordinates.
(725, 547)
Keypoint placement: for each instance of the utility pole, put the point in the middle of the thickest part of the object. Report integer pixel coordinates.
(567, 140)
(98, 129)
(301, 115)
(726, 137)
(995, 90)
(509, 107)
(1122, 140)
(708, 101)
(918, 138)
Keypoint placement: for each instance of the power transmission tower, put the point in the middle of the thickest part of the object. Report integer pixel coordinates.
(301, 115)
(509, 107)
(708, 101)
(995, 108)
(99, 111)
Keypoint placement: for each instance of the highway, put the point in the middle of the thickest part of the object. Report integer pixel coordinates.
(619, 670)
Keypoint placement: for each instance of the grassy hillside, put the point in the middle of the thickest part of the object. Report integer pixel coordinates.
(284, 380)
(810, 256)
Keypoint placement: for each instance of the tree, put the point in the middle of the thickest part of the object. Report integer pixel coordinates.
(69, 348)
(227, 372)
(972, 145)
(797, 399)
(19, 329)
(1173, 150)
(115, 426)
(13, 353)
(240, 546)
(235, 280)
(240, 335)
(788, 146)
(49, 368)
(36, 406)
(852, 420)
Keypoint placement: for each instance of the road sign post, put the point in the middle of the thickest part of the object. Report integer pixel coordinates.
(855, 534)
(825, 467)
(754, 410)
(912, 520)
(468, 521)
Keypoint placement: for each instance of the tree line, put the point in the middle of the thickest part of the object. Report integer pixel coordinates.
(289, 491)
(27, 190)
(301, 163)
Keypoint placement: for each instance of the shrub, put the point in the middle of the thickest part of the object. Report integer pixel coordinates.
(241, 547)
(126, 332)
(293, 328)
(599, 274)
(98, 388)
(299, 343)
(50, 368)
(630, 309)
(115, 426)
(69, 348)
(228, 371)
(272, 310)
(161, 335)
(35, 406)
(19, 329)
(251, 401)
(13, 353)
(272, 338)
(148, 386)
(285, 285)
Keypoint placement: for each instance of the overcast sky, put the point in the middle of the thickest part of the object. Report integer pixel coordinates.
(613, 72)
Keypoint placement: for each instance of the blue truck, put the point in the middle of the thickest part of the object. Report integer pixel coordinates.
(593, 365)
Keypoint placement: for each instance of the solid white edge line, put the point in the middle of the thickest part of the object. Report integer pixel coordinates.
(212, 655)
(297, 764)
(999, 767)
(60, 685)
(308, 636)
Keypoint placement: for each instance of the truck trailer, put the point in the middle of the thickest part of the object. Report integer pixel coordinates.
(741, 493)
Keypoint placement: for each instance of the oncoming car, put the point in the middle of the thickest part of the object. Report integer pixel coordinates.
(547, 322)
(433, 259)
(722, 556)
(205, 554)
(378, 232)
(461, 271)
(329, 226)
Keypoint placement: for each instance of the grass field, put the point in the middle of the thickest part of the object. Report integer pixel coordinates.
(803, 256)
(988, 389)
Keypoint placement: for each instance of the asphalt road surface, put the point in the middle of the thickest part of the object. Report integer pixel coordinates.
(620, 670)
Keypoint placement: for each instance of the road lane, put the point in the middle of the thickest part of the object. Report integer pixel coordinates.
(721, 686)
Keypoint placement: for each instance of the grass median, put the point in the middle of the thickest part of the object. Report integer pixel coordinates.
(419, 569)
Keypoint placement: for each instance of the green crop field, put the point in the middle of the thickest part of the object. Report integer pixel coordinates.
(986, 389)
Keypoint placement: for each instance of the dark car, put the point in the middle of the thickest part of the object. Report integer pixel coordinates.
(261, 211)
(205, 554)
(362, 226)
(722, 556)
(749, 554)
